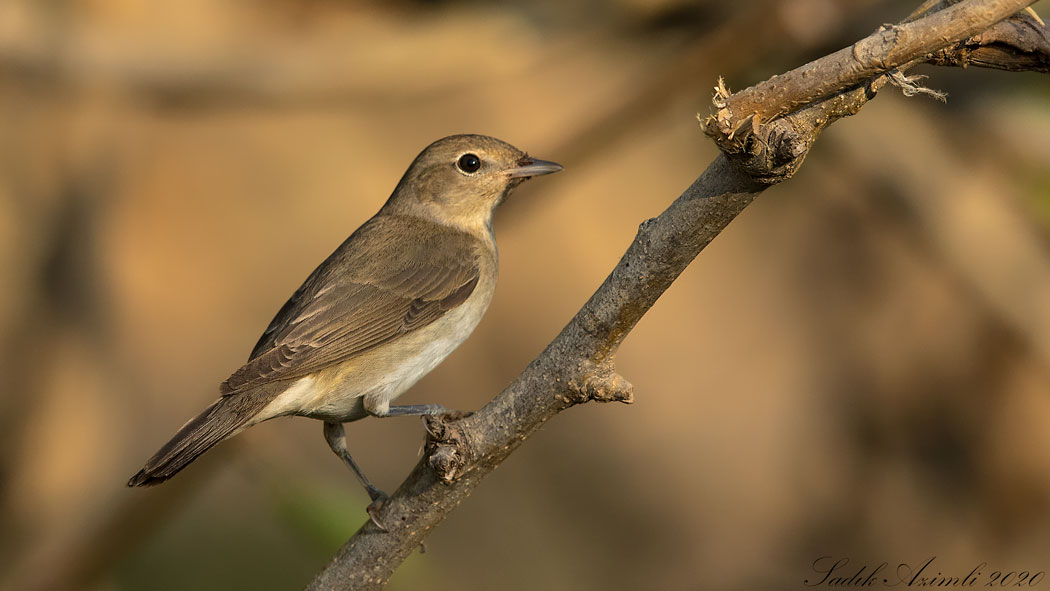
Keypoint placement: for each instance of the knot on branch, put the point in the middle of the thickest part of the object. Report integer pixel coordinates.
(445, 448)
(771, 152)
(876, 48)
(600, 384)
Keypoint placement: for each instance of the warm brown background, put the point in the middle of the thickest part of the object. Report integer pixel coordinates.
(857, 367)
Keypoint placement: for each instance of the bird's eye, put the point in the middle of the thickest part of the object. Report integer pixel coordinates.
(469, 163)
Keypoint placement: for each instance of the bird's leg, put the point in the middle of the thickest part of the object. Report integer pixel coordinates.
(336, 437)
(426, 411)
(379, 406)
(411, 410)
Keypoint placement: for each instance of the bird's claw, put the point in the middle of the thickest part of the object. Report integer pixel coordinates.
(379, 498)
(426, 425)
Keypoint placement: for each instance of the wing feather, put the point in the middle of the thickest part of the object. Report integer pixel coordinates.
(376, 286)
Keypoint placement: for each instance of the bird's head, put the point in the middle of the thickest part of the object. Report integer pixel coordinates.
(459, 180)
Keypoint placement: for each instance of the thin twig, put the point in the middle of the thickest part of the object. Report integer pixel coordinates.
(885, 50)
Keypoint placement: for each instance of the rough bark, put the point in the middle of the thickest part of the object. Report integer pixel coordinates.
(765, 135)
(890, 48)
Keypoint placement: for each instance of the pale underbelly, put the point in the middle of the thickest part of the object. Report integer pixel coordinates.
(367, 383)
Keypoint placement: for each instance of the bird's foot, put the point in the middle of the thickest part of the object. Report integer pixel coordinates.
(379, 498)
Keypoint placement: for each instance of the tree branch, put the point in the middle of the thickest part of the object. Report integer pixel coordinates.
(577, 366)
(889, 48)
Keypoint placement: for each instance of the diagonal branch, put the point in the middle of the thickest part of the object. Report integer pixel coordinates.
(577, 366)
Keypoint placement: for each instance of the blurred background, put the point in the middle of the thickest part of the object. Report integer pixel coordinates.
(858, 367)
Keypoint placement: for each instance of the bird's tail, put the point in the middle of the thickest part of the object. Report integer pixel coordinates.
(227, 416)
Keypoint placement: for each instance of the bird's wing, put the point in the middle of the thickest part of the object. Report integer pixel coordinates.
(389, 278)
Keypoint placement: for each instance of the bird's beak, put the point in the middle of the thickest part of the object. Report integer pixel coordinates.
(529, 167)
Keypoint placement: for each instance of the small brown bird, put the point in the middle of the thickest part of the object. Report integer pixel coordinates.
(396, 298)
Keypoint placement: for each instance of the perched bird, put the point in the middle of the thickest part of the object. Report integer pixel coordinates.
(396, 298)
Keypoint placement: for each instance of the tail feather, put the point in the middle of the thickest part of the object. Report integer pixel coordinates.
(225, 417)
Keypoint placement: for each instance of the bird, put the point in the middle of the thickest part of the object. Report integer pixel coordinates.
(384, 309)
